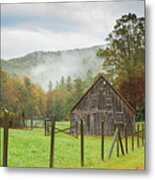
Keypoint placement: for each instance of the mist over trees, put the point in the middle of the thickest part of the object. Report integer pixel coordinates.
(20, 94)
(43, 66)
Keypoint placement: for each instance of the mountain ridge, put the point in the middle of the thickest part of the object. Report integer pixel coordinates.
(52, 51)
(42, 66)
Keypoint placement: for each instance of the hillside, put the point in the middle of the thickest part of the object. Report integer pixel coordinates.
(42, 66)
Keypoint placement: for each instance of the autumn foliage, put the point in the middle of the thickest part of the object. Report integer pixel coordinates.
(133, 90)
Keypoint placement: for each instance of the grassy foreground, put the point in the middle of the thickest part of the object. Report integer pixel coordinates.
(30, 148)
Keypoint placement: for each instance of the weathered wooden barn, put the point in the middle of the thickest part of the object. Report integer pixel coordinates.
(100, 103)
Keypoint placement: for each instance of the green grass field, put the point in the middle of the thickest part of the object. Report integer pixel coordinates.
(30, 148)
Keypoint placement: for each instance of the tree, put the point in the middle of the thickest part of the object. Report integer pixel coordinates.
(68, 84)
(49, 99)
(10, 95)
(20, 94)
(50, 86)
(78, 88)
(89, 77)
(58, 104)
(27, 82)
(124, 53)
(57, 84)
(62, 82)
(133, 91)
(28, 104)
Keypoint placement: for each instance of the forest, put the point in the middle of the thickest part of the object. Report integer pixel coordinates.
(123, 66)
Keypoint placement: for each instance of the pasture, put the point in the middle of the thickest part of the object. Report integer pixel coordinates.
(30, 148)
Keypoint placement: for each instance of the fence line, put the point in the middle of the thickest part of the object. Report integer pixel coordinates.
(137, 133)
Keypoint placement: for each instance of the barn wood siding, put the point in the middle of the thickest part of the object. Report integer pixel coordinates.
(101, 103)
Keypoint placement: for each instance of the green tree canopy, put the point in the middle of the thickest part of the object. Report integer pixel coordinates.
(124, 53)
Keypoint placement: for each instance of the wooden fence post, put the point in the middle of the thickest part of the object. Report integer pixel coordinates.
(52, 144)
(23, 119)
(133, 131)
(143, 134)
(117, 139)
(121, 144)
(126, 139)
(31, 122)
(137, 135)
(102, 140)
(82, 143)
(5, 138)
(117, 152)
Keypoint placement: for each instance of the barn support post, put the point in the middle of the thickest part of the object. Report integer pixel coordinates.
(138, 135)
(52, 143)
(102, 140)
(126, 139)
(133, 132)
(82, 143)
(5, 138)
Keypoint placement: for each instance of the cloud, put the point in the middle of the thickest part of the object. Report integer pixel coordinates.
(32, 27)
(18, 42)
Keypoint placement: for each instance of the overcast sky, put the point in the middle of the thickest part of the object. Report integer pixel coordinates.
(58, 26)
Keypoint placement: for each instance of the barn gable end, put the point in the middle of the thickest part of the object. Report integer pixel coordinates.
(100, 103)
